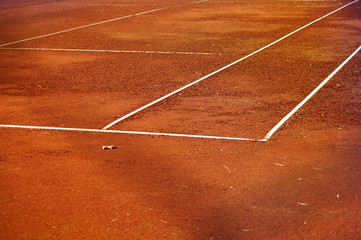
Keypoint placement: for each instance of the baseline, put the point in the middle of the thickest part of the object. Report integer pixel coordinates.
(98, 23)
(130, 132)
(107, 51)
(221, 69)
(278, 125)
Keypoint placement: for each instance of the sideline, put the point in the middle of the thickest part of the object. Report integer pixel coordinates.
(221, 69)
(278, 125)
(106, 21)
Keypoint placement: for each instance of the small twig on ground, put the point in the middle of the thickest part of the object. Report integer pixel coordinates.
(303, 204)
(279, 164)
(227, 169)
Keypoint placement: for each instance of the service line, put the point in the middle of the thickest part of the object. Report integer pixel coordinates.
(130, 132)
(221, 69)
(278, 125)
(98, 23)
(107, 51)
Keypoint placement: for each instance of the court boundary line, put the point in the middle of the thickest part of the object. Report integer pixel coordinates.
(221, 69)
(293, 111)
(101, 22)
(108, 51)
(130, 132)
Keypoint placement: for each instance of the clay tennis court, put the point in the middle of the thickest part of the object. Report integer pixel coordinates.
(231, 119)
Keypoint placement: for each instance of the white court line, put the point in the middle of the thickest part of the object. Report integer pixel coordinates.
(130, 132)
(106, 51)
(97, 23)
(278, 125)
(221, 69)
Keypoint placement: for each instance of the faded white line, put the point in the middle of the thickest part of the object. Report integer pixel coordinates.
(106, 51)
(278, 125)
(221, 69)
(97, 23)
(130, 132)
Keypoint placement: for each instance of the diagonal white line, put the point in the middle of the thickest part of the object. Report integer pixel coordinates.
(221, 69)
(130, 132)
(97, 23)
(278, 125)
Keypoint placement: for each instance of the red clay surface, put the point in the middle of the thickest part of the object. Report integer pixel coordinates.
(304, 183)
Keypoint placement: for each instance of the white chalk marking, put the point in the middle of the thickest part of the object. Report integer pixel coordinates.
(278, 125)
(106, 51)
(129, 132)
(98, 23)
(221, 69)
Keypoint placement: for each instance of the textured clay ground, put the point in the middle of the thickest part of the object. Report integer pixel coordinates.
(304, 183)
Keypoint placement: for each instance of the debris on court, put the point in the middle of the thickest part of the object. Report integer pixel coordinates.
(110, 147)
(302, 204)
(227, 169)
(163, 221)
(279, 164)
